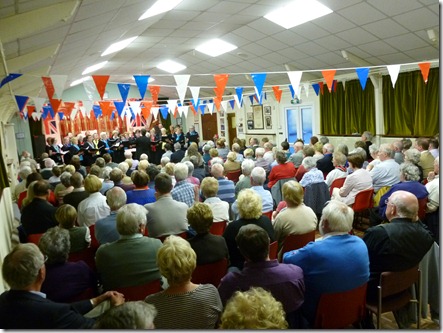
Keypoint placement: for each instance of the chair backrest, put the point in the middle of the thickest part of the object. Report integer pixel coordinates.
(363, 200)
(273, 250)
(218, 228)
(422, 208)
(294, 242)
(94, 242)
(139, 293)
(336, 183)
(276, 190)
(233, 175)
(183, 235)
(87, 255)
(316, 195)
(34, 238)
(339, 310)
(268, 214)
(210, 273)
(392, 283)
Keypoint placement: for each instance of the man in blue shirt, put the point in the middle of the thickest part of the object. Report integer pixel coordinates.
(183, 191)
(226, 187)
(338, 262)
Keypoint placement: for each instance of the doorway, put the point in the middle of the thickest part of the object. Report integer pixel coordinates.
(232, 127)
(209, 126)
(299, 124)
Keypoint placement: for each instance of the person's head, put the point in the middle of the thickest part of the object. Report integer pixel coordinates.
(247, 166)
(143, 157)
(209, 187)
(24, 266)
(74, 140)
(137, 315)
(190, 166)
(412, 155)
(355, 161)
(169, 168)
(55, 244)
(89, 138)
(124, 167)
(41, 188)
(231, 156)
(69, 168)
(107, 157)
(281, 157)
(143, 131)
(360, 144)
(176, 260)
(77, 180)
(253, 141)
(100, 162)
(249, 204)
(402, 204)
(116, 198)
(66, 215)
(292, 193)
(398, 146)
(163, 183)
(253, 309)
(152, 172)
(284, 145)
(177, 146)
(360, 151)
(318, 147)
(213, 152)
(336, 217)
(92, 184)
(437, 165)
(95, 170)
(164, 160)
(128, 161)
(24, 172)
(32, 177)
(95, 136)
(235, 148)
(258, 176)
(422, 144)
(308, 151)
(259, 152)
(324, 140)
(56, 171)
(386, 151)
(217, 170)
(75, 161)
(373, 151)
(180, 171)
(263, 141)
(433, 143)
(128, 155)
(313, 140)
(409, 172)
(116, 175)
(328, 148)
(106, 173)
(200, 217)
(139, 178)
(248, 153)
(131, 219)
(342, 148)
(407, 143)
(253, 242)
(338, 159)
(309, 163)
(298, 146)
(267, 146)
(49, 163)
(366, 136)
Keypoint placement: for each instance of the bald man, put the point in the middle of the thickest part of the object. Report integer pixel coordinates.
(400, 244)
(297, 156)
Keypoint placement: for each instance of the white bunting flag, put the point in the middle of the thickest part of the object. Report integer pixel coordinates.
(294, 78)
(182, 84)
(393, 72)
(172, 104)
(59, 81)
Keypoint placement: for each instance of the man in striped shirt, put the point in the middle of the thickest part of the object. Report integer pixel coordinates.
(226, 187)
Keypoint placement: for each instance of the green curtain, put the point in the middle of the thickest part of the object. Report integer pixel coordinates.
(411, 108)
(348, 110)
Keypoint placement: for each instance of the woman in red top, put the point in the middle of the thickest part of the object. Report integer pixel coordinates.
(281, 170)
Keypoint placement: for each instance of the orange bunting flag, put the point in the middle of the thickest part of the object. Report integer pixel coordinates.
(155, 91)
(321, 84)
(329, 77)
(31, 109)
(221, 80)
(175, 112)
(68, 108)
(48, 86)
(193, 109)
(424, 67)
(277, 93)
(100, 83)
(146, 108)
(55, 103)
(217, 103)
(106, 107)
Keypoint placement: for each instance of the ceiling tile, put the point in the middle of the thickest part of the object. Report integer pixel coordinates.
(333, 43)
(378, 47)
(357, 36)
(310, 31)
(406, 42)
(249, 33)
(312, 48)
(272, 44)
(289, 37)
(385, 28)
(333, 23)
(395, 58)
(395, 7)
(361, 13)
(427, 19)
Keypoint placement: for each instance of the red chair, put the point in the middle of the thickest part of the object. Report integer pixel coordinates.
(85, 294)
(183, 235)
(210, 273)
(273, 250)
(234, 175)
(94, 242)
(34, 238)
(218, 228)
(87, 255)
(363, 202)
(422, 208)
(139, 293)
(337, 183)
(294, 242)
(268, 214)
(339, 310)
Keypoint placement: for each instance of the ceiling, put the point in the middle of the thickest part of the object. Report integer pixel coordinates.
(381, 32)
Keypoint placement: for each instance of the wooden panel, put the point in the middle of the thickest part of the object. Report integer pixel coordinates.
(209, 126)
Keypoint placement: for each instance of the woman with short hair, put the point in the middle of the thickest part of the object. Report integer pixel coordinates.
(219, 208)
(142, 194)
(338, 161)
(94, 207)
(80, 237)
(313, 175)
(231, 163)
(282, 169)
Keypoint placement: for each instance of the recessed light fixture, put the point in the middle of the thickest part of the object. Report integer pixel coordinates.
(115, 47)
(171, 66)
(215, 47)
(159, 7)
(94, 68)
(76, 82)
(298, 12)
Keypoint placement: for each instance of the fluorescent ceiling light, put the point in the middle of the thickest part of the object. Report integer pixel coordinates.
(298, 12)
(171, 66)
(159, 7)
(215, 47)
(94, 68)
(115, 47)
(76, 82)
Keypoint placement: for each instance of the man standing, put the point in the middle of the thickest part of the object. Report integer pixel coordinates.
(339, 262)
(142, 144)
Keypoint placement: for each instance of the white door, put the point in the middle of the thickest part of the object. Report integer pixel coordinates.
(299, 124)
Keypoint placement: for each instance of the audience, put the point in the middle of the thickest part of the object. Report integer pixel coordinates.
(183, 305)
(307, 151)
(94, 207)
(219, 208)
(282, 170)
(259, 159)
(231, 163)
(78, 194)
(64, 187)
(183, 191)
(226, 187)
(312, 175)
(137, 315)
(426, 158)
(373, 151)
(387, 172)
(79, 237)
(297, 157)
(23, 173)
(129, 261)
(245, 179)
(338, 161)
(253, 309)
(141, 194)
(107, 182)
(412, 156)
(325, 164)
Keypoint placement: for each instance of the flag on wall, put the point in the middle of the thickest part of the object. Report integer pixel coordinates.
(50, 126)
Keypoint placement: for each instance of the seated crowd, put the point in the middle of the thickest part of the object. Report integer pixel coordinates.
(134, 236)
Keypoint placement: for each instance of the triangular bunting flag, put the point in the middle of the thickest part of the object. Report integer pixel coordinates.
(224, 105)
(329, 77)
(183, 110)
(9, 78)
(146, 109)
(363, 74)
(202, 108)
(119, 106)
(322, 85)
(73, 114)
(60, 115)
(155, 91)
(259, 82)
(164, 110)
(39, 102)
(221, 80)
(58, 82)
(251, 98)
(106, 107)
(195, 91)
(135, 106)
(124, 90)
(154, 111)
(316, 87)
(86, 108)
(217, 102)
(142, 83)
(69, 106)
(31, 110)
(21, 102)
(182, 84)
(210, 107)
(424, 67)
(295, 78)
(172, 104)
(239, 96)
(48, 86)
(393, 72)
(100, 83)
(291, 89)
(97, 111)
(277, 93)
(232, 104)
(55, 103)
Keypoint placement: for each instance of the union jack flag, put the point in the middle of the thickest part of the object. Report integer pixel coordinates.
(50, 127)
(138, 121)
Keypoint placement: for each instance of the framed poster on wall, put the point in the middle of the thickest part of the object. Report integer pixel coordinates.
(268, 121)
(257, 111)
